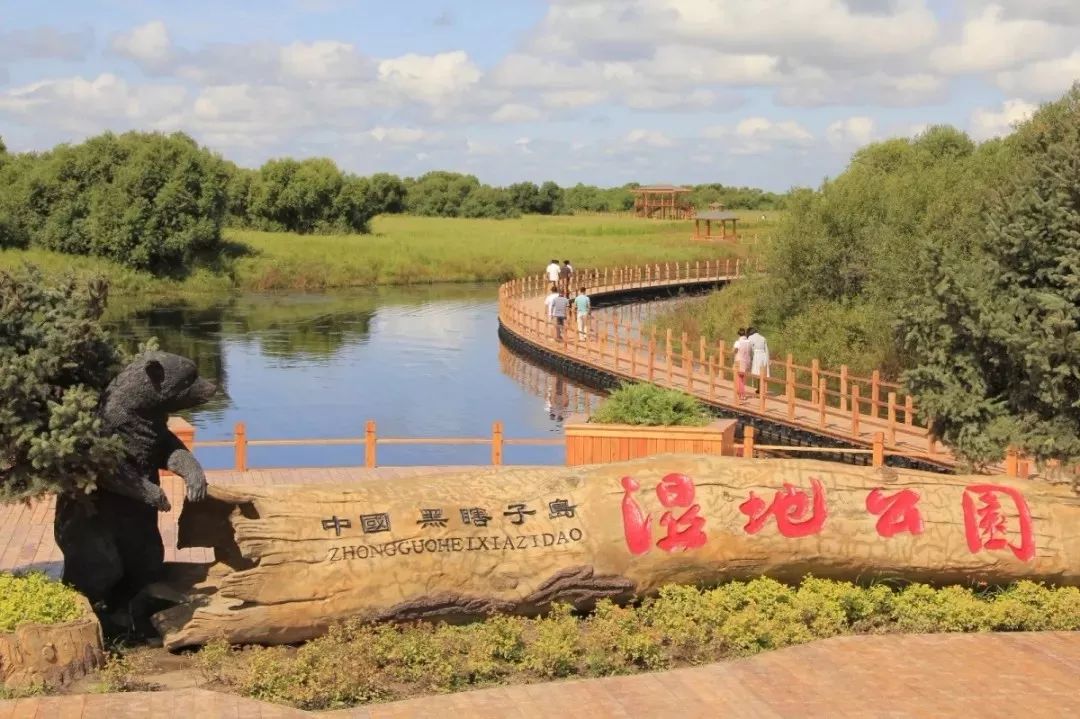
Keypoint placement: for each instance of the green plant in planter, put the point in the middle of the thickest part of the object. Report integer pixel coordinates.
(650, 405)
(34, 598)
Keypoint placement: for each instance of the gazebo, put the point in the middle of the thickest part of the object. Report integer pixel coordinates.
(662, 202)
(712, 216)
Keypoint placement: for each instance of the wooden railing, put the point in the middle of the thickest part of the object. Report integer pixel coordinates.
(831, 401)
(370, 442)
(1015, 466)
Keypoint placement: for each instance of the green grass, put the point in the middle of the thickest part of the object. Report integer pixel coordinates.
(403, 249)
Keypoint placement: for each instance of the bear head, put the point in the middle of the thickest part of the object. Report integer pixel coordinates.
(160, 382)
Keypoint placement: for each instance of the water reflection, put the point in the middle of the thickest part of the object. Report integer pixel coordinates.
(420, 361)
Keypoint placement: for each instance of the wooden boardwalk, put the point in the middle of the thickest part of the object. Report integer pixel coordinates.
(830, 404)
(988, 676)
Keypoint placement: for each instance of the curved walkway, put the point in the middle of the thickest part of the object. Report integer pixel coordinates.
(832, 405)
(930, 675)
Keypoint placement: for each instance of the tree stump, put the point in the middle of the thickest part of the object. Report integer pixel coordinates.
(290, 561)
(51, 654)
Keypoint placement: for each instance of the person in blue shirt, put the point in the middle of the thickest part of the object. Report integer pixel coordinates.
(582, 306)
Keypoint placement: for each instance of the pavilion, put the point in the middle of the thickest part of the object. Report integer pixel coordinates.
(711, 216)
(662, 202)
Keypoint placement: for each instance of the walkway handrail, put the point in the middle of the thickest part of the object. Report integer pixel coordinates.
(827, 401)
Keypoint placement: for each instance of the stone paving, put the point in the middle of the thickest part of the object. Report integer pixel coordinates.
(946, 675)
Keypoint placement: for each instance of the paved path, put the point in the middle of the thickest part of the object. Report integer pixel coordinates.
(986, 676)
(26, 532)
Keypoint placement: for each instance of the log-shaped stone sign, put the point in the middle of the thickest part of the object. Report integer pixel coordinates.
(292, 560)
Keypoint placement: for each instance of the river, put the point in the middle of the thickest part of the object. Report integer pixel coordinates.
(421, 361)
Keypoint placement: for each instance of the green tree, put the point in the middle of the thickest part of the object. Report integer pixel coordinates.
(525, 196)
(149, 201)
(389, 192)
(439, 193)
(550, 200)
(995, 326)
(488, 201)
(55, 360)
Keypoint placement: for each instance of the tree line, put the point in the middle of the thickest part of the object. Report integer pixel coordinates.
(156, 202)
(951, 264)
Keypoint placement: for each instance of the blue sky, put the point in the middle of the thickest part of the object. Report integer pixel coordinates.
(772, 93)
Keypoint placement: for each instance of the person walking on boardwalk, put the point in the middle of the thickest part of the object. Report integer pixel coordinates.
(559, 307)
(582, 307)
(549, 303)
(552, 272)
(760, 357)
(742, 363)
(566, 276)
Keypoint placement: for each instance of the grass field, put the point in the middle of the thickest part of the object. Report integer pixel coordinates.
(407, 250)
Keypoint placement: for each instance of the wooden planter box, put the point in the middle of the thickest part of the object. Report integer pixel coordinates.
(589, 443)
(52, 654)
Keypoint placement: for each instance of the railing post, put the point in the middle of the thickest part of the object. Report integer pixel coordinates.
(369, 444)
(892, 418)
(879, 450)
(667, 355)
(855, 410)
(701, 350)
(790, 389)
(1012, 462)
(843, 387)
(748, 442)
(875, 393)
(909, 410)
(240, 446)
(633, 358)
(720, 350)
(815, 376)
(822, 386)
(497, 443)
(763, 386)
(712, 376)
(652, 357)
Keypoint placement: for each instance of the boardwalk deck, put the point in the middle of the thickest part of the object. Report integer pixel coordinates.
(623, 352)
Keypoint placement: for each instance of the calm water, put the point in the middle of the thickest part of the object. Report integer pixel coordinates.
(419, 361)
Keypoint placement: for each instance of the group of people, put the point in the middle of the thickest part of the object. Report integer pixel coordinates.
(559, 304)
(751, 356)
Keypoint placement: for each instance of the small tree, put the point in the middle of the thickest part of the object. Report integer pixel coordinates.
(996, 332)
(55, 360)
(649, 405)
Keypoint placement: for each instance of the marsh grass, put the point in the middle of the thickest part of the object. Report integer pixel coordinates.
(404, 249)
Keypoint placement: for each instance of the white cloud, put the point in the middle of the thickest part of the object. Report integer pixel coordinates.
(324, 60)
(990, 41)
(651, 138)
(515, 112)
(403, 135)
(81, 105)
(432, 79)
(851, 132)
(572, 98)
(45, 43)
(147, 44)
(1042, 80)
(758, 135)
(987, 122)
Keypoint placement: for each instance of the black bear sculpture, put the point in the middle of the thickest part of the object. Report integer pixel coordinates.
(110, 539)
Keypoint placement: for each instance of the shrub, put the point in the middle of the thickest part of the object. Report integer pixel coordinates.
(126, 672)
(648, 404)
(145, 200)
(35, 599)
(55, 360)
(357, 662)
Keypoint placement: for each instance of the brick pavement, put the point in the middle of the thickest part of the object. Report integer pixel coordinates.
(26, 536)
(944, 675)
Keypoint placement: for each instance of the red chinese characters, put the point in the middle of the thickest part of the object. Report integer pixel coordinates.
(986, 525)
(684, 531)
(795, 517)
(898, 511)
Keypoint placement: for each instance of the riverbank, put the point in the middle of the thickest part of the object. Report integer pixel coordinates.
(414, 250)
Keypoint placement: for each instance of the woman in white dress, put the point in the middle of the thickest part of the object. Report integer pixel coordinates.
(742, 363)
(759, 349)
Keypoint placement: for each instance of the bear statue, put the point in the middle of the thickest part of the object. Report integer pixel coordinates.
(110, 539)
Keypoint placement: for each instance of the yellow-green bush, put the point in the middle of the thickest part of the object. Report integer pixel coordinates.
(357, 662)
(36, 598)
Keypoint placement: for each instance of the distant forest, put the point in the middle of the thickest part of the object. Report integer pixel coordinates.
(154, 201)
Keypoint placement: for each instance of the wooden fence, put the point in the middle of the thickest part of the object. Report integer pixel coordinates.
(831, 401)
(1015, 466)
